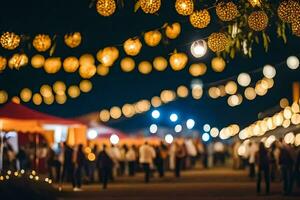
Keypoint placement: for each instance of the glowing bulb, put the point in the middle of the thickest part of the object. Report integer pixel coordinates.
(292, 62)
(153, 128)
(169, 138)
(214, 132)
(190, 123)
(269, 71)
(206, 127)
(199, 48)
(92, 134)
(114, 139)
(244, 79)
(205, 137)
(178, 128)
(173, 117)
(155, 114)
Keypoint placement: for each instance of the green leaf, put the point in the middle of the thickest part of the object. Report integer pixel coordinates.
(256, 39)
(137, 5)
(52, 50)
(232, 53)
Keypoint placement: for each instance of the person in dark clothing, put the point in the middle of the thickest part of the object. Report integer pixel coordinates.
(68, 167)
(180, 153)
(78, 167)
(23, 159)
(286, 163)
(262, 161)
(273, 163)
(159, 162)
(50, 162)
(104, 164)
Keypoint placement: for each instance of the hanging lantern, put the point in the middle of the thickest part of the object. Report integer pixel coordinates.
(199, 48)
(72, 40)
(152, 38)
(218, 64)
(173, 31)
(10, 40)
(87, 59)
(200, 19)
(37, 61)
(127, 64)
(52, 65)
(41, 42)
(106, 7)
(108, 56)
(71, 64)
(255, 3)
(296, 27)
(102, 70)
(150, 6)
(160, 63)
(85, 86)
(289, 10)
(178, 61)
(17, 61)
(87, 71)
(3, 63)
(258, 20)
(226, 10)
(217, 42)
(145, 67)
(132, 47)
(184, 7)
(197, 69)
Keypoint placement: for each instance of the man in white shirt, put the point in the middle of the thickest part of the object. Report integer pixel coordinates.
(147, 154)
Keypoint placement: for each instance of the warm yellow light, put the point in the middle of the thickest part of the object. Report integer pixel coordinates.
(52, 65)
(214, 132)
(85, 86)
(286, 123)
(250, 93)
(71, 64)
(289, 138)
(295, 107)
(197, 69)
(60, 98)
(59, 87)
(115, 112)
(145, 67)
(156, 101)
(297, 140)
(104, 115)
(37, 61)
(214, 92)
(167, 96)
(197, 92)
(74, 91)
(87, 59)
(128, 110)
(287, 112)
(87, 71)
(37, 99)
(182, 91)
(49, 100)
(102, 70)
(295, 119)
(91, 157)
(46, 90)
(160, 63)
(231, 87)
(127, 64)
(218, 64)
(284, 102)
(26, 94)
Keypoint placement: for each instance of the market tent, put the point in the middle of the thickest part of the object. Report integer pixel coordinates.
(17, 117)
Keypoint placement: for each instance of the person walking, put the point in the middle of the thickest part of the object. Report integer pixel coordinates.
(122, 161)
(147, 154)
(79, 162)
(68, 167)
(131, 160)
(180, 153)
(104, 164)
(159, 162)
(262, 161)
(286, 163)
(252, 152)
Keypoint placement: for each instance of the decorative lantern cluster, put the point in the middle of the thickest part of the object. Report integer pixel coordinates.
(72, 40)
(150, 6)
(184, 7)
(10, 40)
(258, 21)
(41, 42)
(288, 10)
(106, 7)
(200, 19)
(217, 42)
(226, 10)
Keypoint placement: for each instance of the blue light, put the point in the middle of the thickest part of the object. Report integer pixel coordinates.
(173, 117)
(155, 114)
(205, 137)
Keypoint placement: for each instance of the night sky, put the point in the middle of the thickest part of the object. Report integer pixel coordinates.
(32, 17)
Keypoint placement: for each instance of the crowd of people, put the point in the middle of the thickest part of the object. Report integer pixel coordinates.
(280, 162)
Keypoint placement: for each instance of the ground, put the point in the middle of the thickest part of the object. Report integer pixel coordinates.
(220, 183)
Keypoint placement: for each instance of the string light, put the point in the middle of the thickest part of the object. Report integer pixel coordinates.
(198, 48)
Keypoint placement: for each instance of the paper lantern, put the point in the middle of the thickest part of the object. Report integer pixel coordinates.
(41, 42)
(127, 64)
(60, 98)
(37, 61)
(258, 21)
(132, 46)
(152, 38)
(218, 42)
(160, 63)
(72, 40)
(218, 64)
(108, 56)
(3, 96)
(184, 7)
(178, 61)
(150, 6)
(85, 86)
(296, 27)
(59, 87)
(145, 67)
(87, 59)
(74, 91)
(26, 94)
(173, 31)
(37, 99)
(17, 61)
(10, 40)
(226, 10)
(52, 65)
(87, 71)
(3, 63)
(71, 64)
(106, 7)
(102, 70)
(200, 19)
(288, 10)
(198, 69)
(231, 87)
